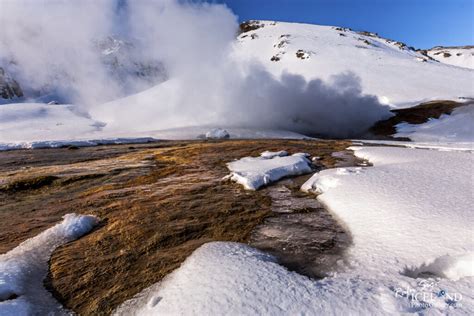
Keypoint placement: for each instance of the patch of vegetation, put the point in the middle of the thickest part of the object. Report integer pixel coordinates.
(154, 215)
(32, 183)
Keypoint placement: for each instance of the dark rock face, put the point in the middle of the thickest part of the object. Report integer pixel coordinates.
(9, 87)
(250, 26)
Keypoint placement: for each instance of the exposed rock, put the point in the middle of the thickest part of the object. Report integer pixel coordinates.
(250, 25)
(275, 58)
(301, 54)
(9, 87)
(371, 34)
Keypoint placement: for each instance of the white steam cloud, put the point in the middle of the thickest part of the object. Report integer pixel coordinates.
(49, 41)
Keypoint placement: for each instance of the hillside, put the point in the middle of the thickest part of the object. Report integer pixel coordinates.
(396, 73)
(307, 79)
(461, 56)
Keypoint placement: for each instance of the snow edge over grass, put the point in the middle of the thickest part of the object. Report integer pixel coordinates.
(23, 269)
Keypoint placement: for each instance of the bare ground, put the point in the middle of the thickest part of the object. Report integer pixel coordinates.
(157, 203)
(415, 115)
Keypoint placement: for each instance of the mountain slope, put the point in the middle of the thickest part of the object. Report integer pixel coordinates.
(462, 56)
(397, 74)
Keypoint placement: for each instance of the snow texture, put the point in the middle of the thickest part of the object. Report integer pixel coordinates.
(21, 122)
(379, 62)
(411, 223)
(256, 172)
(457, 127)
(456, 56)
(23, 269)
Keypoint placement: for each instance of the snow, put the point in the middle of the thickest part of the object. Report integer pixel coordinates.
(456, 56)
(23, 269)
(411, 223)
(440, 146)
(21, 122)
(272, 154)
(76, 143)
(393, 73)
(457, 127)
(217, 133)
(379, 63)
(255, 172)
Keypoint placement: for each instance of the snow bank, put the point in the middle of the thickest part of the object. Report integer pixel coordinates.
(235, 279)
(255, 172)
(439, 146)
(23, 269)
(411, 224)
(76, 143)
(425, 195)
(457, 127)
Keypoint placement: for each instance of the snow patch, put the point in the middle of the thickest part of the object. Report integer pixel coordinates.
(255, 172)
(23, 269)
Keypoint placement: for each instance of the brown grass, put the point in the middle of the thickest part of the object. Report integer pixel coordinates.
(157, 204)
(414, 115)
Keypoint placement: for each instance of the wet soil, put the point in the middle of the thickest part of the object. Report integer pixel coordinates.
(158, 203)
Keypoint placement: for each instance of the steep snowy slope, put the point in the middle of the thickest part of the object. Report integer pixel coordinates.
(397, 74)
(462, 56)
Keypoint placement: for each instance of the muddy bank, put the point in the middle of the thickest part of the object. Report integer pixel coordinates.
(157, 204)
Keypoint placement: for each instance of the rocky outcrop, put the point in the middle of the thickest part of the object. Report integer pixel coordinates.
(9, 87)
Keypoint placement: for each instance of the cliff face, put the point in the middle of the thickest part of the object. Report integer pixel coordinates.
(9, 87)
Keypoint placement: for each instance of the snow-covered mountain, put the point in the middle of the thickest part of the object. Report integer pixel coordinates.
(122, 61)
(396, 73)
(461, 56)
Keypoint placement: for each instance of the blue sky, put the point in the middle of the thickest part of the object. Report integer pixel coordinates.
(419, 23)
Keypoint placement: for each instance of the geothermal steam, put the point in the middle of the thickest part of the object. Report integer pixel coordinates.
(52, 41)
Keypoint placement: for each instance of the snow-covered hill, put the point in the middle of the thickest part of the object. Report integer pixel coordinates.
(250, 85)
(462, 56)
(396, 73)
